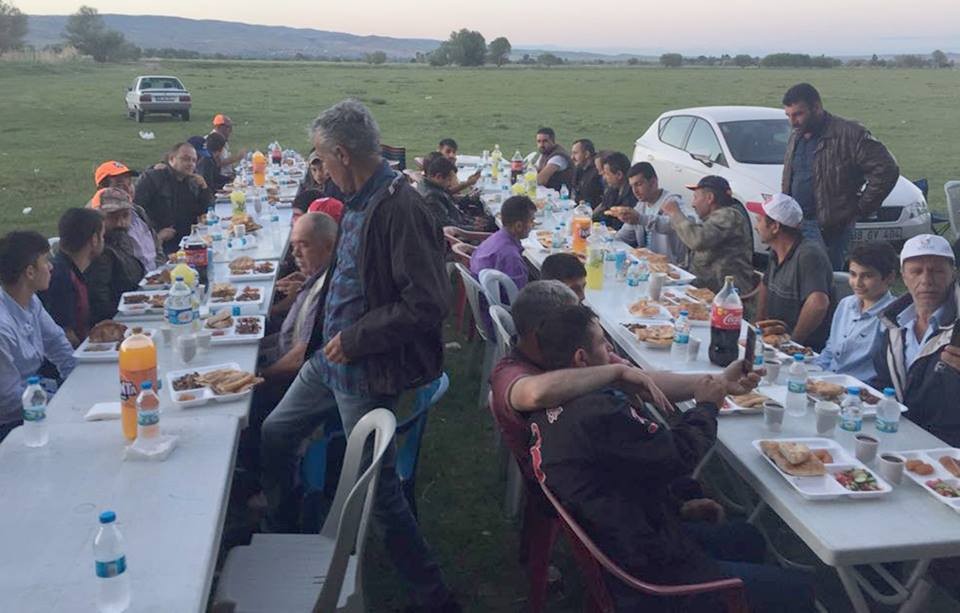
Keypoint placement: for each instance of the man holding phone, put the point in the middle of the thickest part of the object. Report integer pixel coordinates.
(920, 355)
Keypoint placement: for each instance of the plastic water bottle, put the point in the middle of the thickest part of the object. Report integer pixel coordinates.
(681, 337)
(276, 230)
(178, 308)
(888, 412)
(148, 416)
(564, 192)
(796, 404)
(35, 432)
(610, 264)
(851, 411)
(558, 238)
(644, 268)
(633, 280)
(113, 595)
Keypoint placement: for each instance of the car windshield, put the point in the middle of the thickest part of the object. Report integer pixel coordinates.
(160, 83)
(757, 141)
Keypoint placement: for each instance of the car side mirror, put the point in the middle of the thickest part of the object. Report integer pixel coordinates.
(129, 89)
(703, 159)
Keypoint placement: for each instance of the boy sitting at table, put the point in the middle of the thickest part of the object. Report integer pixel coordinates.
(567, 269)
(611, 464)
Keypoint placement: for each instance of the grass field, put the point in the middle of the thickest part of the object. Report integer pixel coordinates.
(59, 121)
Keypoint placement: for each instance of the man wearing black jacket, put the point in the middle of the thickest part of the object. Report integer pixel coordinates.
(377, 333)
(587, 184)
(613, 465)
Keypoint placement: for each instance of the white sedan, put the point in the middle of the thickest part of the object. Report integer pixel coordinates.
(746, 146)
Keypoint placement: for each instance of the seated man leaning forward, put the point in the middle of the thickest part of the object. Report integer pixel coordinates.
(798, 285)
(28, 335)
(611, 463)
(502, 250)
(855, 330)
(617, 193)
(917, 358)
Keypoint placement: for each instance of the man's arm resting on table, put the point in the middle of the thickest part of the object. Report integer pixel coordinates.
(544, 176)
(814, 309)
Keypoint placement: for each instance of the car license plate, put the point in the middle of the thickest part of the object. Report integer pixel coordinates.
(878, 234)
(165, 98)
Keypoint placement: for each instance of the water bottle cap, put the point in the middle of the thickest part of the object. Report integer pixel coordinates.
(853, 390)
(889, 392)
(179, 278)
(108, 517)
(798, 357)
(146, 385)
(684, 313)
(33, 380)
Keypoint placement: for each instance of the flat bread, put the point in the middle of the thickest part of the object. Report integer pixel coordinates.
(107, 331)
(646, 308)
(749, 401)
(811, 467)
(703, 294)
(824, 390)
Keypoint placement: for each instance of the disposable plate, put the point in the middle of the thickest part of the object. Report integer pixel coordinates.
(932, 457)
(203, 394)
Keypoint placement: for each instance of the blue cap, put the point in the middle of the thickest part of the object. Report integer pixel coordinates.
(146, 385)
(889, 391)
(798, 357)
(684, 312)
(853, 390)
(108, 517)
(33, 380)
(179, 278)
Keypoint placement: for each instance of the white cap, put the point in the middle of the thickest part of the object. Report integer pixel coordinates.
(784, 209)
(926, 244)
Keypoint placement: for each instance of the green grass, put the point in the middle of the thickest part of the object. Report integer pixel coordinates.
(60, 121)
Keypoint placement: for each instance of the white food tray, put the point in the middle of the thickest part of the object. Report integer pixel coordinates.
(932, 457)
(229, 336)
(825, 487)
(869, 410)
(217, 306)
(730, 407)
(142, 308)
(103, 352)
(203, 394)
(254, 276)
(154, 286)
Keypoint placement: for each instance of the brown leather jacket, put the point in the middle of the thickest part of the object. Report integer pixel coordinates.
(847, 156)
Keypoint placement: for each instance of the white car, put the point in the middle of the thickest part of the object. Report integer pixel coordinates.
(152, 94)
(746, 146)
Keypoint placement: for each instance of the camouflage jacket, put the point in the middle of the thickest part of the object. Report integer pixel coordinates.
(721, 245)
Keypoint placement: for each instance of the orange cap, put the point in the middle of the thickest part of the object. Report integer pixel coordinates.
(221, 120)
(111, 169)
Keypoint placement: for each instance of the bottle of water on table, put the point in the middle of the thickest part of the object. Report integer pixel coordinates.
(113, 593)
(851, 411)
(34, 399)
(148, 416)
(796, 404)
(644, 272)
(888, 412)
(178, 309)
(681, 337)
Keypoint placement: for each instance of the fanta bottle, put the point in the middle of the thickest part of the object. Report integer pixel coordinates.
(138, 363)
(259, 163)
(580, 228)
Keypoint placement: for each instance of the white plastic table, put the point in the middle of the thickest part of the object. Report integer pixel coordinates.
(170, 513)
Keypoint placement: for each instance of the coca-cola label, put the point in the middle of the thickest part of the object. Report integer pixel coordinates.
(725, 319)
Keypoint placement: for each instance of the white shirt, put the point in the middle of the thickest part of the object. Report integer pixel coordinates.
(655, 232)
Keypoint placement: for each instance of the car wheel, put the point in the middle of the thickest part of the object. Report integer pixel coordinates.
(140, 116)
(185, 115)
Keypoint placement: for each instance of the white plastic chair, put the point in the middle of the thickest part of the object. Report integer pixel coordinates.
(494, 284)
(952, 190)
(474, 291)
(313, 572)
(841, 286)
(503, 329)
(54, 242)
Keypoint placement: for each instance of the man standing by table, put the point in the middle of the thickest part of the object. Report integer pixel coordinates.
(554, 166)
(722, 244)
(28, 335)
(798, 285)
(646, 225)
(223, 125)
(377, 333)
(835, 169)
(587, 184)
(916, 358)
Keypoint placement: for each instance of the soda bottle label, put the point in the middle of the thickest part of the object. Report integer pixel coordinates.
(889, 427)
(107, 570)
(797, 387)
(35, 413)
(725, 319)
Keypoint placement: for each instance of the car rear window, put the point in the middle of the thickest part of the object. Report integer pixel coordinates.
(757, 141)
(674, 129)
(160, 84)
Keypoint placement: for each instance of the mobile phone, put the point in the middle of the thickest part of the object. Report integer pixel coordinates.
(749, 356)
(955, 337)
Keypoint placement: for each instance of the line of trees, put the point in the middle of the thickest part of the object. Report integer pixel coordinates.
(13, 27)
(937, 59)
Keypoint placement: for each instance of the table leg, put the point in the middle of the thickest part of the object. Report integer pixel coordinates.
(852, 588)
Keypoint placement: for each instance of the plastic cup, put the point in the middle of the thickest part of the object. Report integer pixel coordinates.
(657, 281)
(772, 367)
(203, 340)
(891, 467)
(186, 347)
(693, 349)
(828, 416)
(166, 334)
(773, 416)
(866, 448)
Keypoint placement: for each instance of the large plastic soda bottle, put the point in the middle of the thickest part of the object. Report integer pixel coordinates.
(726, 314)
(796, 404)
(276, 153)
(113, 593)
(34, 399)
(580, 228)
(516, 167)
(531, 180)
(888, 412)
(259, 163)
(495, 159)
(138, 363)
(148, 416)
(595, 260)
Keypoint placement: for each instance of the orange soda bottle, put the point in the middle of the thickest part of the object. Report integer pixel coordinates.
(259, 163)
(138, 363)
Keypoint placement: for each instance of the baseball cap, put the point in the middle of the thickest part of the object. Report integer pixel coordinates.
(330, 206)
(110, 200)
(926, 244)
(784, 209)
(221, 120)
(718, 185)
(111, 168)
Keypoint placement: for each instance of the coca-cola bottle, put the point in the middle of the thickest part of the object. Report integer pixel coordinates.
(725, 317)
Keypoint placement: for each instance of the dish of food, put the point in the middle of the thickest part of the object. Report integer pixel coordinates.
(857, 480)
(696, 311)
(247, 325)
(664, 267)
(263, 268)
(943, 488)
(749, 401)
(189, 381)
(791, 348)
(793, 458)
(246, 221)
(136, 299)
(159, 278)
(703, 294)
(951, 465)
(101, 347)
(241, 265)
(249, 294)
(919, 467)
(656, 336)
(824, 390)
(222, 292)
(643, 252)
(186, 397)
(107, 331)
(220, 321)
(228, 381)
(646, 309)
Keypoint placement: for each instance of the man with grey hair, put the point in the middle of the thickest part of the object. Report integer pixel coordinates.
(377, 332)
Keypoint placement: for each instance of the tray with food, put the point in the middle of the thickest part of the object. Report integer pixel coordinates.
(751, 402)
(654, 336)
(833, 388)
(675, 274)
(545, 238)
(156, 279)
(937, 471)
(229, 330)
(245, 268)
(249, 224)
(674, 301)
(775, 336)
(103, 341)
(228, 294)
(142, 302)
(820, 469)
(220, 383)
(648, 310)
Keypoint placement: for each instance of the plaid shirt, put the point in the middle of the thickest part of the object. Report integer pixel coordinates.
(346, 303)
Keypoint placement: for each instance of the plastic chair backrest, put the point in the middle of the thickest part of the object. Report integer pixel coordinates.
(54, 242)
(952, 190)
(841, 286)
(350, 512)
(474, 291)
(413, 427)
(397, 155)
(462, 252)
(503, 328)
(495, 284)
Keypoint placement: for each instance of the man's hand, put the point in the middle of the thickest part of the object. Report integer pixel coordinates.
(334, 351)
(710, 389)
(291, 284)
(166, 234)
(671, 208)
(702, 509)
(951, 356)
(738, 383)
(199, 181)
(472, 179)
(627, 214)
(635, 381)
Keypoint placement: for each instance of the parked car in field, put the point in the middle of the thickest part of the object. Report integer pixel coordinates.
(746, 146)
(151, 94)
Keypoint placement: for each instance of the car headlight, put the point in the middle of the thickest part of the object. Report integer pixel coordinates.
(916, 209)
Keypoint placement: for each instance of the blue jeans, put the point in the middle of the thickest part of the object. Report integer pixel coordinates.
(836, 243)
(308, 404)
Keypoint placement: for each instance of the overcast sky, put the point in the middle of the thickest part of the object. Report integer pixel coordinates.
(689, 26)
